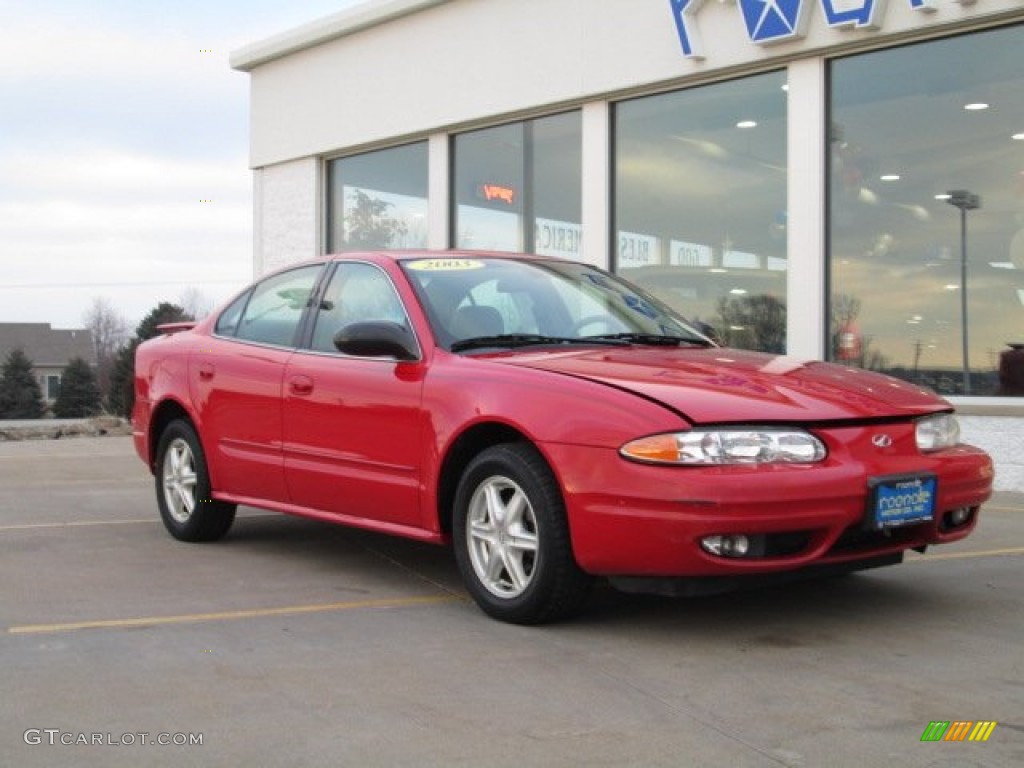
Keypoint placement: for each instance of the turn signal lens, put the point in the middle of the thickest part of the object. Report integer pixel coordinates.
(727, 446)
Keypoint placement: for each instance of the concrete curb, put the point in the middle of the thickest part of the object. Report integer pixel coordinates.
(55, 429)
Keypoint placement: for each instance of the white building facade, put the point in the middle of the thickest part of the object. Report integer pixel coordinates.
(835, 179)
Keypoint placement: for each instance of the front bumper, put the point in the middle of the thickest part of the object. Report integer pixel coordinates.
(629, 519)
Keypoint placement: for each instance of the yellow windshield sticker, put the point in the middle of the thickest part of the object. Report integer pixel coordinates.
(444, 265)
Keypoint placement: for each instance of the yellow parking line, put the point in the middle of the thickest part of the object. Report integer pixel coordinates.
(192, 618)
(74, 524)
(997, 508)
(89, 523)
(968, 555)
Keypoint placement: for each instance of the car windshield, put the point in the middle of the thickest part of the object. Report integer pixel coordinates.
(478, 302)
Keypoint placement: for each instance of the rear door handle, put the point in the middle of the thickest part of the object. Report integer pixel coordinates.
(300, 385)
(206, 371)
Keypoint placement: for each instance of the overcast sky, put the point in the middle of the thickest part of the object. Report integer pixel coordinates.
(115, 125)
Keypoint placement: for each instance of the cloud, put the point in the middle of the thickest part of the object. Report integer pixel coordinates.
(116, 120)
(110, 173)
(49, 48)
(134, 227)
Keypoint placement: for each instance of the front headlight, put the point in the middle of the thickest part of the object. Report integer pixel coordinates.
(751, 445)
(936, 432)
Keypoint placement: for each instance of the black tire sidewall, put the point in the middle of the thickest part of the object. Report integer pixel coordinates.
(210, 519)
(523, 465)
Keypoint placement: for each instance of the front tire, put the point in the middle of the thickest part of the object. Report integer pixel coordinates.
(183, 487)
(511, 537)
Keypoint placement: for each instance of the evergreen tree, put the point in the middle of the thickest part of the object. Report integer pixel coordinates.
(122, 378)
(20, 397)
(122, 381)
(79, 391)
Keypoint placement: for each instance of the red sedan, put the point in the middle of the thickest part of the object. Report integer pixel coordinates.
(551, 421)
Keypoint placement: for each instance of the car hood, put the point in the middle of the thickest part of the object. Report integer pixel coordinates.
(730, 386)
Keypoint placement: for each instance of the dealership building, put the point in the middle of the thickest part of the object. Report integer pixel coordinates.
(831, 179)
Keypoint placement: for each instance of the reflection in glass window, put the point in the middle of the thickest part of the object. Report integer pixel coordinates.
(357, 293)
(517, 187)
(700, 205)
(227, 323)
(276, 305)
(910, 126)
(378, 199)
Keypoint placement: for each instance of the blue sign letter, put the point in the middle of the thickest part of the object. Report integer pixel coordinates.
(869, 14)
(689, 37)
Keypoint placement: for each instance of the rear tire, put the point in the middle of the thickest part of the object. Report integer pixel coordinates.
(183, 487)
(512, 542)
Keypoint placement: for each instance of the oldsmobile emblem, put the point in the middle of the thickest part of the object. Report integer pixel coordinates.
(881, 440)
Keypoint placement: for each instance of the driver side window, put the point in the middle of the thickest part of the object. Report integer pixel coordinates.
(357, 293)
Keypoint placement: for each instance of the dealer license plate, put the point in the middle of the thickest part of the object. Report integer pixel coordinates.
(902, 500)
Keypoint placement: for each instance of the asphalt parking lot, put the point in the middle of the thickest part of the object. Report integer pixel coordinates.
(294, 643)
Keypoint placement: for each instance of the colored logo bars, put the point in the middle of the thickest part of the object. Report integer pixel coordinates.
(958, 730)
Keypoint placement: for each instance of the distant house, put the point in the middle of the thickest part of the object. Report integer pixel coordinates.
(49, 349)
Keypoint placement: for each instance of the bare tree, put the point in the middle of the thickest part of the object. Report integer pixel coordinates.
(195, 303)
(110, 332)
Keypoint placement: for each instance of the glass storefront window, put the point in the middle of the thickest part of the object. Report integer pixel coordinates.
(700, 204)
(378, 199)
(926, 212)
(517, 187)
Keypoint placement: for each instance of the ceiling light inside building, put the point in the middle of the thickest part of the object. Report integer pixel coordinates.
(747, 124)
(976, 106)
(890, 177)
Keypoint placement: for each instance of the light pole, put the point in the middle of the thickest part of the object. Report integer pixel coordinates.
(965, 201)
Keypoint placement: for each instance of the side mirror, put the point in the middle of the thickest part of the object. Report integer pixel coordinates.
(377, 339)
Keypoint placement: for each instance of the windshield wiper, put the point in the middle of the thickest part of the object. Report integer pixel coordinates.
(510, 340)
(652, 339)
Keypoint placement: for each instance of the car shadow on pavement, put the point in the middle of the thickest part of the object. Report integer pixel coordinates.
(884, 597)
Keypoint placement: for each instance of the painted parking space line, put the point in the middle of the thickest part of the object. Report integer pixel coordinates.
(72, 524)
(999, 508)
(256, 613)
(91, 523)
(1009, 551)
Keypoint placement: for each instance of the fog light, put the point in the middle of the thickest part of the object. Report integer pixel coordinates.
(956, 517)
(735, 545)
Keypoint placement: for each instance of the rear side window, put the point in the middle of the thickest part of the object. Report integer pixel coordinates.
(227, 323)
(275, 307)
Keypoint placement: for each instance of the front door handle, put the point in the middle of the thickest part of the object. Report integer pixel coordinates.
(206, 371)
(300, 385)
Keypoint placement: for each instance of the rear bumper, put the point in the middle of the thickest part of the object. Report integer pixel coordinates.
(628, 519)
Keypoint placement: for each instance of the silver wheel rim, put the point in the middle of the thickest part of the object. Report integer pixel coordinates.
(179, 477)
(501, 532)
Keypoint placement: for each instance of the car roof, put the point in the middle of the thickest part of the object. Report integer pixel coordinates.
(396, 256)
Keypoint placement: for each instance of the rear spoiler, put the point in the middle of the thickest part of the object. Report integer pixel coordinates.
(168, 328)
